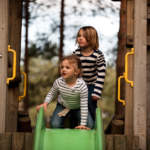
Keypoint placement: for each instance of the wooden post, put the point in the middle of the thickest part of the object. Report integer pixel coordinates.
(148, 78)
(26, 57)
(15, 19)
(129, 89)
(140, 74)
(3, 60)
(117, 125)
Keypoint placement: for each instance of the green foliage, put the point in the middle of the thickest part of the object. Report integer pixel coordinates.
(42, 73)
(46, 49)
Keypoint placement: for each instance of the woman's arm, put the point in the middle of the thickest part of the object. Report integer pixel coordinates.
(83, 104)
(101, 68)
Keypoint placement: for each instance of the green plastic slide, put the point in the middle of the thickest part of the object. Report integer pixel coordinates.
(68, 139)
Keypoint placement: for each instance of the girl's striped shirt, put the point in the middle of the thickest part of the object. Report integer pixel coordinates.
(93, 70)
(75, 97)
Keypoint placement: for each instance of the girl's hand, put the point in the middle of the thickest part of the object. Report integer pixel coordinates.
(82, 127)
(95, 98)
(42, 105)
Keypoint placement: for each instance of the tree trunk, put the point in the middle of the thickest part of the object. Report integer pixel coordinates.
(26, 48)
(61, 30)
(118, 120)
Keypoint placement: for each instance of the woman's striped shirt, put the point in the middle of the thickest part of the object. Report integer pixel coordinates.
(71, 97)
(93, 70)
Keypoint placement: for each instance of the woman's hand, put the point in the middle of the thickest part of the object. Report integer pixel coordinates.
(44, 105)
(95, 98)
(82, 127)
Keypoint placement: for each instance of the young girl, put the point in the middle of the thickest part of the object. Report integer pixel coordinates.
(73, 95)
(92, 64)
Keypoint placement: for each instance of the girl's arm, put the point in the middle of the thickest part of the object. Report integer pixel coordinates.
(101, 68)
(42, 105)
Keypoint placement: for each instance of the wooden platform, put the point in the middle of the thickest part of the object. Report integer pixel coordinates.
(24, 141)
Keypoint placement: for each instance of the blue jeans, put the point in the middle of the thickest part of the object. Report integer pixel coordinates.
(92, 105)
(58, 122)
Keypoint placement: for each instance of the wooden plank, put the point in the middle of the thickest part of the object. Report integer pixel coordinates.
(135, 144)
(29, 141)
(132, 142)
(129, 142)
(119, 142)
(140, 75)
(5, 141)
(15, 42)
(109, 142)
(18, 141)
(3, 60)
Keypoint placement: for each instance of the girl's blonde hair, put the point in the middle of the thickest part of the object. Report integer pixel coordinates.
(73, 60)
(91, 36)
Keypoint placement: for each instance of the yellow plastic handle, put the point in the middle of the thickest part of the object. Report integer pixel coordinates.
(126, 67)
(25, 86)
(119, 99)
(14, 65)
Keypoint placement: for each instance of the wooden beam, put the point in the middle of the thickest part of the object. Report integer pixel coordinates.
(3, 60)
(140, 74)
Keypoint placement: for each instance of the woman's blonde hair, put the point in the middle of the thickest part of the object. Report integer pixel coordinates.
(73, 60)
(91, 36)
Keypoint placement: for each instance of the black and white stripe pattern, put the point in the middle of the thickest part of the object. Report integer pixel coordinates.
(93, 70)
(71, 97)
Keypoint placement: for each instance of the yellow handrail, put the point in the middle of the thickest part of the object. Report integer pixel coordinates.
(14, 65)
(119, 99)
(126, 67)
(25, 86)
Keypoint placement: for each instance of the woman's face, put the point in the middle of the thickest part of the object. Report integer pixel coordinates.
(81, 40)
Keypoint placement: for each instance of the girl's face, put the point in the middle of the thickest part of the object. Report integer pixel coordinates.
(68, 70)
(81, 40)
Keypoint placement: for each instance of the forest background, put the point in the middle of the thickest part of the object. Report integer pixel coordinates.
(45, 43)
